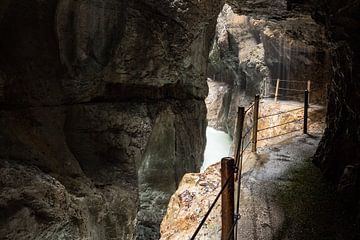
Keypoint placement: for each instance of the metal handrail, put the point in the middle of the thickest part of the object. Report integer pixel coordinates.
(282, 124)
(243, 150)
(240, 150)
(232, 229)
(247, 132)
(252, 105)
(291, 89)
(287, 80)
(267, 138)
(279, 113)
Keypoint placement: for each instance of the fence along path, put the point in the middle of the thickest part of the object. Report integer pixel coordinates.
(231, 168)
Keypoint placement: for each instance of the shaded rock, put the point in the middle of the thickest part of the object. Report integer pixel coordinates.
(35, 205)
(90, 92)
(339, 148)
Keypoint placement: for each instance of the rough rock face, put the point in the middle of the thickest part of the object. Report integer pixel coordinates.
(237, 55)
(251, 51)
(273, 8)
(189, 204)
(237, 65)
(91, 92)
(338, 154)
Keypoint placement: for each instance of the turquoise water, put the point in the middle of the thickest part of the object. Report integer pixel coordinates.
(217, 146)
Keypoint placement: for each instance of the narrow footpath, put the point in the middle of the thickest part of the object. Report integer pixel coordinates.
(283, 197)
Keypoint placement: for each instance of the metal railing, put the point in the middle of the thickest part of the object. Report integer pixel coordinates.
(231, 168)
(291, 89)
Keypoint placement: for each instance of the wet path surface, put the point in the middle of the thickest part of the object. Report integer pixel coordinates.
(285, 197)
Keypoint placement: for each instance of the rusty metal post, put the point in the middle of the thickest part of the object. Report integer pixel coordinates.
(277, 89)
(239, 130)
(255, 122)
(308, 88)
(265, 88)
(306, 106)
(227, 198)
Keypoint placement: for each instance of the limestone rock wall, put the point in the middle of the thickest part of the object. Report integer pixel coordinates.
(254, 45)
(338, 154)
(100, 101)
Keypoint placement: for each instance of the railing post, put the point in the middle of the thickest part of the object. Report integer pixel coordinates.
(306, 106)
(308, 88)
(227, 198)
(277, 89)
(265, 88)
(255, 122)
(239, 130)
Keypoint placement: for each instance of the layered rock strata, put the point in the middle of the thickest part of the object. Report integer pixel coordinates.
(251, 51)
(338, 154)
(97, 98)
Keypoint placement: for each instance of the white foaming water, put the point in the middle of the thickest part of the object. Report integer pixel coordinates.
(217, 146)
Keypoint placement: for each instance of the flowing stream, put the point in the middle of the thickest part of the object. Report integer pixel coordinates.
(217, 146)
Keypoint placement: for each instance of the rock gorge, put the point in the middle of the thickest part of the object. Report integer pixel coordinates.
(97, 98)
(103, 111)
(251, 51)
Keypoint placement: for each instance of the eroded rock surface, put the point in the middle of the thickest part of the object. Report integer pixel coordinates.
(338, 155)
(189, 204)
(283, 196)
(251, 51)
(91, 94)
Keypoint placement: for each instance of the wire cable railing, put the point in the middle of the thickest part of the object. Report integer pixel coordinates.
(250, 107)
(247, 137)
(210, 209)
(279, 135)
(282, 112)
(279, 125)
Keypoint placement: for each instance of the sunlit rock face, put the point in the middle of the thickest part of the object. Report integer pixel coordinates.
(197, 191)
(99, 98)
(236, 70)
(190, 202)
(237, 55)
(267, 43)
(338, 155)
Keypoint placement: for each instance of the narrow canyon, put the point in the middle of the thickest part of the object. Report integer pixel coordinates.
(106, 107)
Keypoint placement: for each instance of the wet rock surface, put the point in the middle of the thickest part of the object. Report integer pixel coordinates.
(37, 205)
(281, 148)
(253, 48)
(86, 87)
(195, 194)
(283, 196)
(338, 155)
(90, 93)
